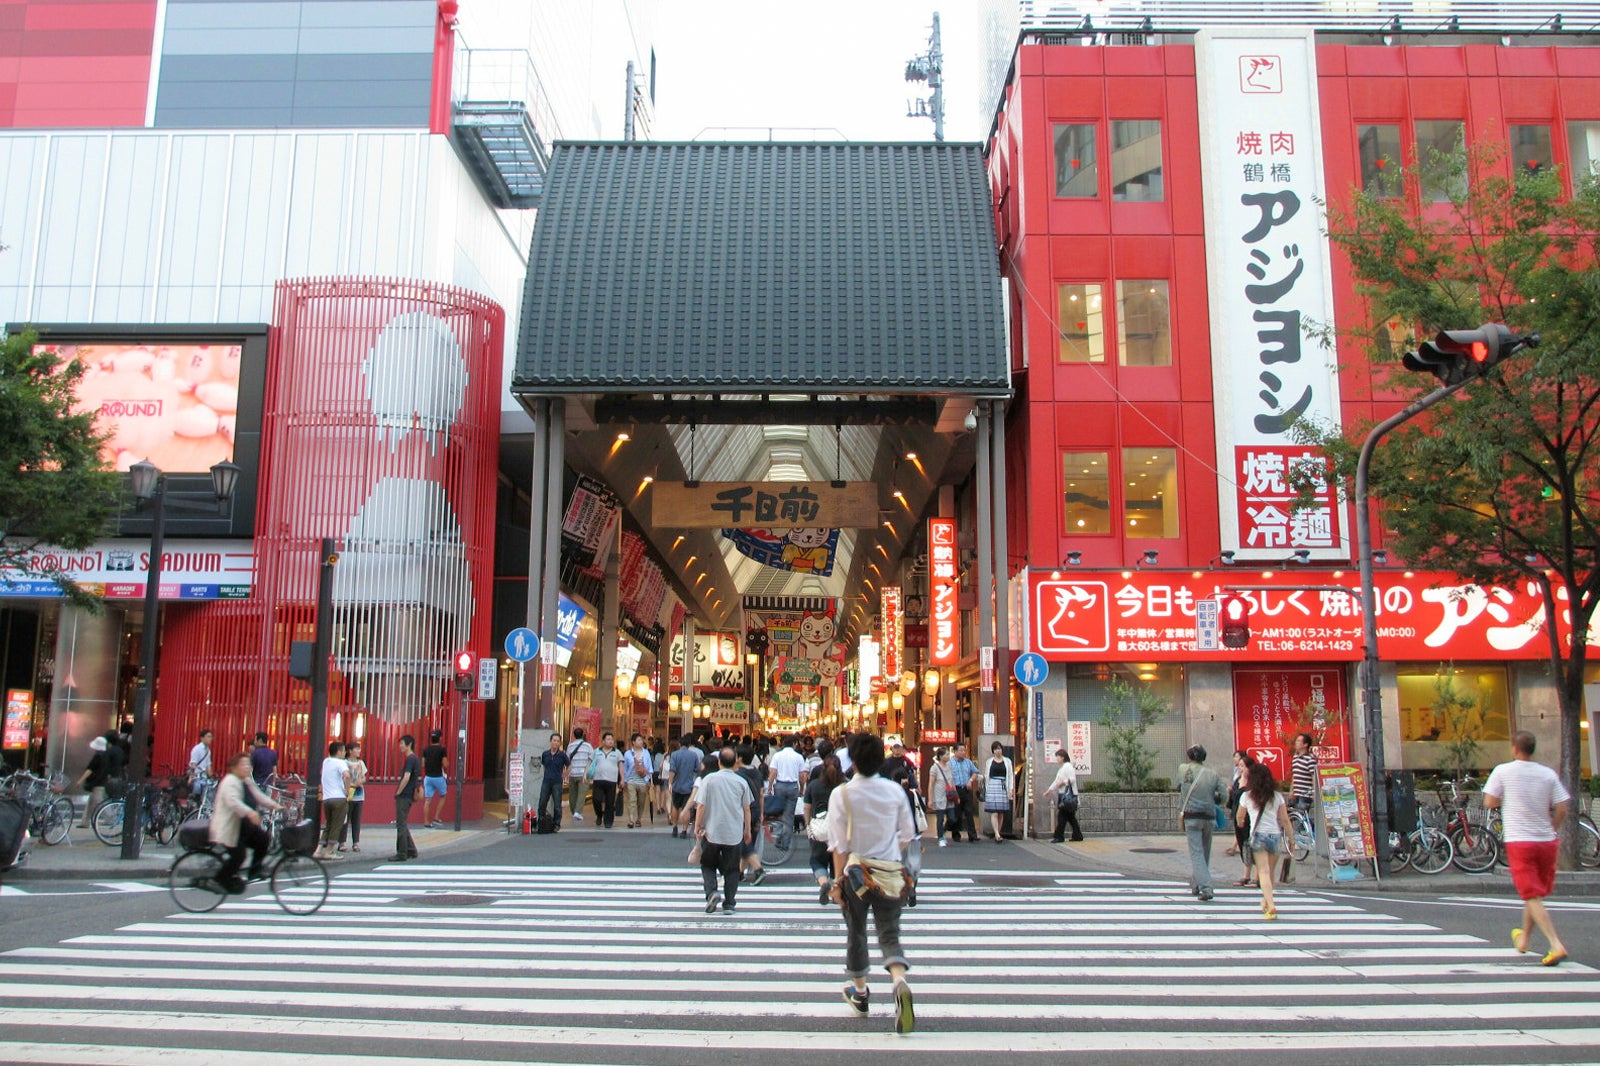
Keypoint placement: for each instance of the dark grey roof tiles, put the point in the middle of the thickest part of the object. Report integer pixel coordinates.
(754, 267)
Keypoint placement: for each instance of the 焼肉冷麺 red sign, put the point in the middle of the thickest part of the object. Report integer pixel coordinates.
(1150, 616)
(1271, 704)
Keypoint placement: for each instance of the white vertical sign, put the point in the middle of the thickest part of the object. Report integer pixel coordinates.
(1270, 277)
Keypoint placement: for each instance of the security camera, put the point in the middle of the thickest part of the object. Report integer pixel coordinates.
(971, 422)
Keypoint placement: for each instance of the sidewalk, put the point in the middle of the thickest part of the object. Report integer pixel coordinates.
(1165, 857)
(86, 859)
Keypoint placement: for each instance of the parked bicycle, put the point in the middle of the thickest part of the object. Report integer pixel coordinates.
(1425, 849)
(49, 812)
(1588, 838)
(298, 880)
(165, 808)
(1477, 846)
(1304, 835)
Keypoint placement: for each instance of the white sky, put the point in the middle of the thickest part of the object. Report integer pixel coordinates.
(826, 64)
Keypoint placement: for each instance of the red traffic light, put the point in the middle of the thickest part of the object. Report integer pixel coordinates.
(1235, 622)
(1479, 351)
(464, 662)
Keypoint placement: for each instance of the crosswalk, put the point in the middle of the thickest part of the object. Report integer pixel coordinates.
(423, 963)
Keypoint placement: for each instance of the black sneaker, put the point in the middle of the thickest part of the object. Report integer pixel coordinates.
(397, 857)
(728, 910)
(822, 892)
(857, 1000)
(759, 876)
(714, 902)
(905, 1018)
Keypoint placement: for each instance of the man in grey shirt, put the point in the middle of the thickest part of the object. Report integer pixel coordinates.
(722, 822)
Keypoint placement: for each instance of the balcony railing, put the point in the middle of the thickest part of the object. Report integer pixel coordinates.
(502, 123)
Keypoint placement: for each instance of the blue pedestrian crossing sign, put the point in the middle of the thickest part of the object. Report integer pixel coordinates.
(1030, 669)
(522, 644)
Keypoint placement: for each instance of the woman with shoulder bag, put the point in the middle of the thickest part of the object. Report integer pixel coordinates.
(1066, 799)
(819, 789)
(1269, 828)
(942, 795)
(869, 826)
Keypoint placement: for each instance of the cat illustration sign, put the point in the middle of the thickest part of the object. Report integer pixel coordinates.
(1072, 617)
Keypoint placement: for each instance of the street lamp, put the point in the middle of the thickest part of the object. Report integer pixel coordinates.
(150, 486)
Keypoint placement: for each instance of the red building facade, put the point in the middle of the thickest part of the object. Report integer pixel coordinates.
(1102, 159)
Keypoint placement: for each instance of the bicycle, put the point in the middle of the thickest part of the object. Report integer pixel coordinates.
(1477, 846)
(777, 837)
(1588, 838)
(162, 814)
(1303, 835)
(299, 880)
(50, 814)
(1425, 849)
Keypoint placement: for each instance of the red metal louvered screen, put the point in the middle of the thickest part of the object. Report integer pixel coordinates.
(381, 430)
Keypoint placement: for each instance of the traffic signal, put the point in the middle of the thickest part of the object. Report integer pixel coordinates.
(1457, 355)
(464, 678)
(1235, 622)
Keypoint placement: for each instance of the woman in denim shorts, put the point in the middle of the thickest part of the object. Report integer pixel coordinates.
(1269, 828)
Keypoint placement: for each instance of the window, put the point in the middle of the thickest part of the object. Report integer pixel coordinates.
(1136, 160)
(1082, 324)
(1086, 702)
(1086, 490)
(1077, 169)
(1380, 155)
(1583, 142)
(1435, 728)
(1394, 338)
(1144, 337)
(1530, 149)
(1150, 501)
(1438, 146)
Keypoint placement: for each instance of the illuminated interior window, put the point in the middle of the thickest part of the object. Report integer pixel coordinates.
(1150, 492)
(1081, 320)
(1086, 491)
(1144, 329)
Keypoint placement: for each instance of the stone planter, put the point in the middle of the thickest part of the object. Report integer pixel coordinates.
(1103, 813)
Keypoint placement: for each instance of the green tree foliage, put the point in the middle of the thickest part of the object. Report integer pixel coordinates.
(1128, 715)
(1463, 725)
(1500, 483)
(54, 487)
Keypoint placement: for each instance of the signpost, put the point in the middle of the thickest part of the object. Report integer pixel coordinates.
(1031, 670)
(522, 644)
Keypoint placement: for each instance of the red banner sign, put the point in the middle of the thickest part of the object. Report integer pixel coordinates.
(1149, 616)
(893, 623)
(938, 736)
(1272, 704)
(944, 638)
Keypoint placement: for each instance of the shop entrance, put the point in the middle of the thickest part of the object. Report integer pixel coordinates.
(754, 372)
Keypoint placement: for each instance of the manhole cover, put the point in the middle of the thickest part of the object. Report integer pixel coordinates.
(450, 900)
(1154, 851)
(989, 881)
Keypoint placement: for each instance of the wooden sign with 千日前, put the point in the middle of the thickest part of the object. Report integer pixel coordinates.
(774, 504)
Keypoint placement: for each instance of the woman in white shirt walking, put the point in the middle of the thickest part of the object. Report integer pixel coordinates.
(869, 826)
(1269, 828)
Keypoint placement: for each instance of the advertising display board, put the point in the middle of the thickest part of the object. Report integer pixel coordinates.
(1348, 812)
(1150, 616)
(19, 718)
(190, 570)
(1270, 705)
(943, 590)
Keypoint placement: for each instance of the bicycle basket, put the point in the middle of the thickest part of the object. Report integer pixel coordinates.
(195, 834)
(299, 838)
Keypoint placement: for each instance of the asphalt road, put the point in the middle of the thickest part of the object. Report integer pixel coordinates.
(592, 946)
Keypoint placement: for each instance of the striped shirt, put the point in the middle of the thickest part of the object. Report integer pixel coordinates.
(1305, 776)
(1528, 791)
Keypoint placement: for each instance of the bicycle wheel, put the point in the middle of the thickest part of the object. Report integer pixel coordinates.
(777, 845)
(1588, 844)
(193, 881)
(299, 883)
(1476, 849)
(107, 823)
(1431, 851)
(1304, 836)
(164, 820)
(1400, 846)
(56, 822)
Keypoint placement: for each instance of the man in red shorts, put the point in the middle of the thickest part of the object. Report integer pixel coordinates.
(1533, 803)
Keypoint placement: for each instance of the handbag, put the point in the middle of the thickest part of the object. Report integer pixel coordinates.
(1067, 800)
(1221, 817)
(888, 878)
(817, 827)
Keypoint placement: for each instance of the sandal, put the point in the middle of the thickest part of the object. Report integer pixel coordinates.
(1244, 882)
(355, 847)
(1553, 959)
(1519, 940)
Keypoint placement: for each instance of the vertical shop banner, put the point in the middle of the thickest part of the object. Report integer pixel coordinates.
(1348, 812)
(1269, 272)
(869, 661)
(588, 524)
(1271, 705)
(944, 639)
(1078, 737)
(19, 718)
(588, 719)
(893, 620)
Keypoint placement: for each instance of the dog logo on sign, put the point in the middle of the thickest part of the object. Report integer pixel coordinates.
(1260, 74)
(1073, 616)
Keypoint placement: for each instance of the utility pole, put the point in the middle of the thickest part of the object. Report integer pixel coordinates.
(929, 67)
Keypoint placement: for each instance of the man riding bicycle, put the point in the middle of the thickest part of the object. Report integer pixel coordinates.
(236, 823)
